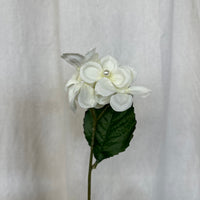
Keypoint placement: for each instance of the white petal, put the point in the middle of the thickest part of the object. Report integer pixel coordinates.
(121, 102)
(139, 90)
(86, 97)
(90, 72)
(74, 59)
(122, 77)
(73, 91)
(91, 56)
(105, 87)
(109, 63)
(102, 100)
(72, 81)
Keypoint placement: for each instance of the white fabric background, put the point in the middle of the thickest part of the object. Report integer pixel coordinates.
(43, 153)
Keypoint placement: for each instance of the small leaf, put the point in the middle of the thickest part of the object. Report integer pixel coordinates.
(74, 59)
(114, 131)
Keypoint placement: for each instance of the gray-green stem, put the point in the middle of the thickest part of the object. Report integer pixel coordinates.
(91, 152)
(91, 165)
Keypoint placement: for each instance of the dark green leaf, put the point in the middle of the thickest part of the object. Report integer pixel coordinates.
(114, 131)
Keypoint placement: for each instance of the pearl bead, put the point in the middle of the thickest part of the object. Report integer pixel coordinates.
(106, 72)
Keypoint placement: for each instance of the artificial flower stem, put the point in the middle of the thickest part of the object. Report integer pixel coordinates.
(91, 152)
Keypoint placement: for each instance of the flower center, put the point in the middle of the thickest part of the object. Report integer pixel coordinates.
(106, 72)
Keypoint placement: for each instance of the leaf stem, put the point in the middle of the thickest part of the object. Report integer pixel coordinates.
(91, 152)
(94, 166)
(101, 114)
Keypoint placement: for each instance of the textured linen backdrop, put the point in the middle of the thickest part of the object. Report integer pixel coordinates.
(43, 153)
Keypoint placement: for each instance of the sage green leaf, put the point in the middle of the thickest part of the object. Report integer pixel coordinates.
(114, 131)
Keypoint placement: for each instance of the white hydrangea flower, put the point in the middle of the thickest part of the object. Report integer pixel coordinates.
(98, 82)
(120, 98)
(92, 72)
(77, 89)
(81, 92)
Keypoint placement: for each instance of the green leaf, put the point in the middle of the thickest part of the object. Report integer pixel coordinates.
(114, 131)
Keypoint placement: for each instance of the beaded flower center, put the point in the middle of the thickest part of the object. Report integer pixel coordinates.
(106, 72)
